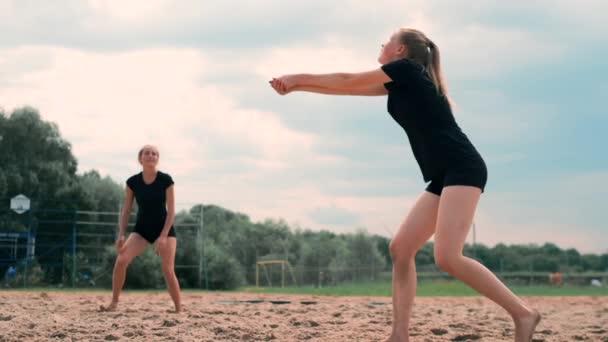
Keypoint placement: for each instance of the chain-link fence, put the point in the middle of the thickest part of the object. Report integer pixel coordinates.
(54, 248)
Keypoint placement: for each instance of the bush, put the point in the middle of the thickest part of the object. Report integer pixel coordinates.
(223, 270)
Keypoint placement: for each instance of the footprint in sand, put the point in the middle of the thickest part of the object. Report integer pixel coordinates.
(218, 330)
(439, 331)
(167, 323)
(459, 326)
(313, 323)
(133, 333)
(58, 334)
(600, 331)
(468, 337)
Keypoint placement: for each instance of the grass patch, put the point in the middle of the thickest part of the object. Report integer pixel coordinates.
(439, 288)
(428, 289)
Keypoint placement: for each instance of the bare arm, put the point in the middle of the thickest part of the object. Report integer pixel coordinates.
(126, 212)
(347, 81)
(170, 193)
(362, 83)
(375, 90)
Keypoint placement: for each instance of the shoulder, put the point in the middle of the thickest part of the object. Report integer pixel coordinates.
(134, 177)
(404, 70)
(166, 178)
(133, 180)
(164, 175)
(404, 63)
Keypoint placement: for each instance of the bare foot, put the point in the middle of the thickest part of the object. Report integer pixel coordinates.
(390, 339)
(525, 326)
(176, 310)
(397, 338)
(111, 307)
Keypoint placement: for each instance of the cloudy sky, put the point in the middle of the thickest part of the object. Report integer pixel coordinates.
(528, 78)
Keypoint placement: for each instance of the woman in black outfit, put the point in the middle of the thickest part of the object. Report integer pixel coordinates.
(154, 192)
(456, 174)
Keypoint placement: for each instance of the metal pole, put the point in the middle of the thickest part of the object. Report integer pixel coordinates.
(257, 275)
(202, 267)
(199, 242)
(117, 231)
(74, 249)
(29, 248)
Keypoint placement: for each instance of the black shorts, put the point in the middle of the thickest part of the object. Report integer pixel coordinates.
(152, 234)
(476, 176)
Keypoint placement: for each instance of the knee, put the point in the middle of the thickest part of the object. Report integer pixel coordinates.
(168, 271)
(445, 260)
(401, 251)
(123, 260)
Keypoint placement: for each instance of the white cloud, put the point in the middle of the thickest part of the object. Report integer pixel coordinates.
(491, 231)
(493, 116)
(581, 20)
(110, 103)
(478, 51)
(560, 208)
(313, 59)
(190, 103)
(378, 214)
(132, 11)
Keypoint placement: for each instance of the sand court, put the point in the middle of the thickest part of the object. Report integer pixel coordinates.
(74, 316)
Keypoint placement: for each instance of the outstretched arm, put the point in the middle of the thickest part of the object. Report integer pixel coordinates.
(377, 90)
(362, 83)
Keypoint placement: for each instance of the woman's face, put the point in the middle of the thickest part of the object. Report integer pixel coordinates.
(149, 156)
(392, 50)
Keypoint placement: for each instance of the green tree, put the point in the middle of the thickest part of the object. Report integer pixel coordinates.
(36, 161)
(99, 194)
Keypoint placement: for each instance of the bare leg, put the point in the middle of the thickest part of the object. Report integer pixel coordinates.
(456, 211)
(168, 263)
(415, 230)
(134, 246)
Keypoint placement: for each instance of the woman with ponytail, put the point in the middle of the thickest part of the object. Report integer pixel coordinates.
(410, 74)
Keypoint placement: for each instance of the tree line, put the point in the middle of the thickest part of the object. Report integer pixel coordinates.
(36, 161)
